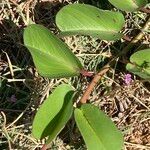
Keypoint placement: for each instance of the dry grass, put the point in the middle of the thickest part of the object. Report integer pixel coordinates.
(128, 106)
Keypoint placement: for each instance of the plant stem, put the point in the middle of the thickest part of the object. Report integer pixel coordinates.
(145, 10)
(126, 38)
(106, 68)
(44, 147)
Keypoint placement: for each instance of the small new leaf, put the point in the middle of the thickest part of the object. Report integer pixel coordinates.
(128, 5)
(140, 64)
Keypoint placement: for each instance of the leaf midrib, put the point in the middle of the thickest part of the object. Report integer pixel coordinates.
(91, 30)
(93, 130)
(134, 2)
(85, 16)
(52, 56)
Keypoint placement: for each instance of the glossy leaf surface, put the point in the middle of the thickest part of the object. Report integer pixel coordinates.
(53, 113)
(83, 19)
(51, 56)
(128, 5)
(98, 131)
(140, 64)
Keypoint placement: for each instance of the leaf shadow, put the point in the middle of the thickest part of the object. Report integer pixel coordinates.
(102, 4)
(45, 12)
(54, 122)
(13, 53)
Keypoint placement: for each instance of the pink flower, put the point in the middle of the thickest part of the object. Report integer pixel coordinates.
(127, 79)
(12, 99)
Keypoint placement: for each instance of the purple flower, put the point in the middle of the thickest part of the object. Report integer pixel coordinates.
(13, 99)
(127, 79)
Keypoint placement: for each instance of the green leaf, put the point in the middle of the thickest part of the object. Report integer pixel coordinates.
(98, 131)
(54, 113)
(58, 123)
(128, 5)
(51, 56)
(140, 64)
(83, 19)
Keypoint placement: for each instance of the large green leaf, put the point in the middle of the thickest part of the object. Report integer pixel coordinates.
(140, 64)
(54, 113)
(98, 131)
(128, 5)
(51, 56)
(84, 19)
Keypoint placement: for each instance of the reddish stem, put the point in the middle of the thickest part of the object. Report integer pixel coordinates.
(44, 147)
(106, 68)
(86, 73)
(93, 83)
(125, 37)
(145, 10)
